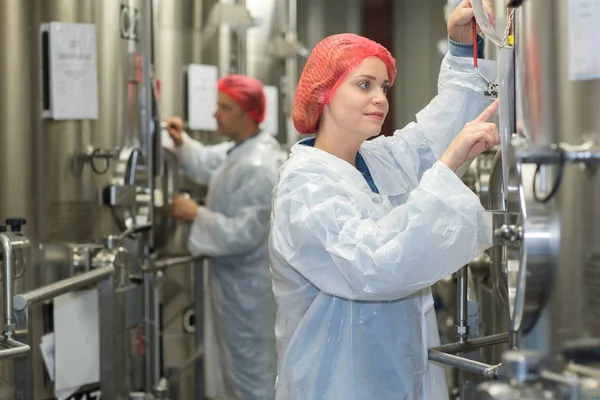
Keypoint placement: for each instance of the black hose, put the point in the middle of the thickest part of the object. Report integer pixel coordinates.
(557, 181)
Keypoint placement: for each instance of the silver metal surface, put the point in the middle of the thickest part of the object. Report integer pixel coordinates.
(493, 316)
(461, 309)
(171, 236)
(504, 391)
(291, 74)
(506, 109)
(10, 348)
(171, 262)
(177, 43)
(199, 364)
(498, 228)
(530, 235)
(147, 131)
(178, 29)
(7, 252)
(259, 62)
(539, 256)
(18, 121)
(518, 364)
(559, 237)
(36, 296)
(472, 344)
(24, 377)
(40, 181)
(499, 200)
(465, 364)
(558, 126)
(112, 383)
(149, 339)
(553, 108)
(157, 328)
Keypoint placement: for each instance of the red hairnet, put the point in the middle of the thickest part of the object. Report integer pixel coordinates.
(329, 64)
(247, 93)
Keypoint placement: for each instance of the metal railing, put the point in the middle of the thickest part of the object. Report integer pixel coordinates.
(166, 263)
(12, 349)
(465, 364)
(9, 347)
(16, 343)
(37, 296)
(444, 354)
(23, 367)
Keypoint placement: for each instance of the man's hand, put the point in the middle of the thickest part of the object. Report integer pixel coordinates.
(460, 28)
(175, 127)
(184, 209)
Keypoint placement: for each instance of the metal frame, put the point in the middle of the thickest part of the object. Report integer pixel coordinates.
(173, 373)
(103, 278)
(465, 364)
(444, 354)
(10, 348)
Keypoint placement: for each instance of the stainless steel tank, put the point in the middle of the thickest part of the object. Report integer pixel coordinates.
(45, 173)
(18, 160)
(32, 153)
(560, 235)
(177, 43)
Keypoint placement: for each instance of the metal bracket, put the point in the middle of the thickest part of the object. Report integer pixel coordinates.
(511, 234)
(527, 153)
(491, 90)
(120, 195)
(499, 228)
(89, 156)
(189, 320)
(81, 257)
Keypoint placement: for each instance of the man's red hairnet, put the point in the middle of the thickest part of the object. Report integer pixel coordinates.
(332, 60)
(247, 93)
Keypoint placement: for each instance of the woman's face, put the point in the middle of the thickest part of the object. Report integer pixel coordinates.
(360, 104)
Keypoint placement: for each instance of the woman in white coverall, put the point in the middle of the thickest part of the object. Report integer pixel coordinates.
(232, 230)
(361, 229)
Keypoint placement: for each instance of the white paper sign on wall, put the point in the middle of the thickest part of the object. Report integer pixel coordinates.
(583, 35)
(271, 122)
(202, 97)
(70, 60)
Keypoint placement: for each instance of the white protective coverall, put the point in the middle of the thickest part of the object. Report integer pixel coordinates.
(352, 268)
(232, 230)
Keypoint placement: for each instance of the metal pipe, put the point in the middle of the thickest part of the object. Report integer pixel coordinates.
(13, 349)
(146, 122)
(7, 252)
(23, 370)
(472, 344)
(462, 325)
(156, 296)
(171, 262)
(506, 110)
(291, 72)
(461, 310)
(293, 16)
(199, 334)
(465, 364)
(36, 296)
(148, 331)
(513, 338)
(498, 201)
(112, 384)
(240, 43)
